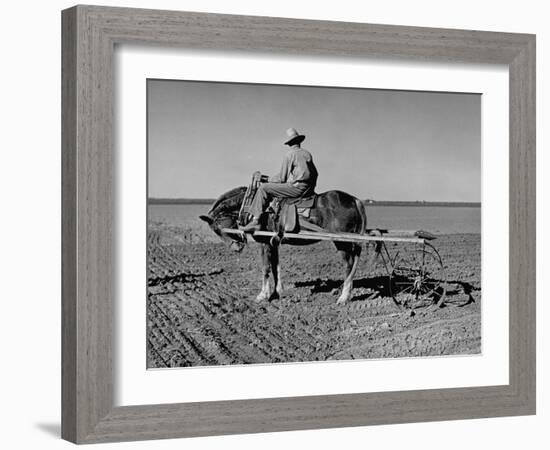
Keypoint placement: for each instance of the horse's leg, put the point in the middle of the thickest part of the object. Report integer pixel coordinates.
(280, 288)
(350, 254)
(276, 271)
(265, 254)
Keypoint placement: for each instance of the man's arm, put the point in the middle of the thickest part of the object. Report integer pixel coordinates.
(282, 176)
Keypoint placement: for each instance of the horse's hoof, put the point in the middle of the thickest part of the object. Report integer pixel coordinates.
(261, 297)
(275, 296)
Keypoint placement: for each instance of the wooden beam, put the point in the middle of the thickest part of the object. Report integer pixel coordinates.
(335, 237)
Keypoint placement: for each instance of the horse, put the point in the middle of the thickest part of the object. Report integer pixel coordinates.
(334, 211)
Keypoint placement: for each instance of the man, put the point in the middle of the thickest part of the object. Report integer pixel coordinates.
(297, 178)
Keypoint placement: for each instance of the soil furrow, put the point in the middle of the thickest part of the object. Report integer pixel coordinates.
(202, 308)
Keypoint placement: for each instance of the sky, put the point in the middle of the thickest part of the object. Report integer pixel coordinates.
(205, 138)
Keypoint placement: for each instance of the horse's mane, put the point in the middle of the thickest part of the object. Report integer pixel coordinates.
(228, 203)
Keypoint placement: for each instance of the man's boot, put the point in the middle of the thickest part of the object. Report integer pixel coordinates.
(252, 226)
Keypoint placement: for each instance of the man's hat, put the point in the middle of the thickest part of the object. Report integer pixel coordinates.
(294, 137)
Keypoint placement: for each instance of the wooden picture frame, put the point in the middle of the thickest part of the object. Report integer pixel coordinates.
(89, 37)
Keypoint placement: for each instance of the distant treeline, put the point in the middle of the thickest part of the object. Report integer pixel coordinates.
(180, 201)
(209, 201)
(422, 203)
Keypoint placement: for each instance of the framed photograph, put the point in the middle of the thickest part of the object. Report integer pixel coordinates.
(279, 224)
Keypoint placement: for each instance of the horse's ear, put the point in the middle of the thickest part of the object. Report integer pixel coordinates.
(207, 219)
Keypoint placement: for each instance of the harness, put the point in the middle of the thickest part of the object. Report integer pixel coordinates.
(288, 211)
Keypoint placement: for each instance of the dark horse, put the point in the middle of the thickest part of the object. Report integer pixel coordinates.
(334, 211)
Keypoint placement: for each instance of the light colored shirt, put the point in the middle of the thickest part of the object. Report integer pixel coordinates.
(297, 167)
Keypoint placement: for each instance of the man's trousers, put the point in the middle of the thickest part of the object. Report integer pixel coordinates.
(266, 191)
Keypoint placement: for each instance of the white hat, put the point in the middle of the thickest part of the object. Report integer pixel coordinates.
(294, 137)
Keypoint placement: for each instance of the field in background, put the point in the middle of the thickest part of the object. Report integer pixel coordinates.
(184, 220)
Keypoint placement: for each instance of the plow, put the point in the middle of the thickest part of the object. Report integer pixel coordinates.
(415, 272)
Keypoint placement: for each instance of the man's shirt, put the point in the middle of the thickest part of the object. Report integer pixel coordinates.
(297, 167)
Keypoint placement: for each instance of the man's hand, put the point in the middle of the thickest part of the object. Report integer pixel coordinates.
(256, 179)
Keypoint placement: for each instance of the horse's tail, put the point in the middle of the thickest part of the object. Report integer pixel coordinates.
(363, 214)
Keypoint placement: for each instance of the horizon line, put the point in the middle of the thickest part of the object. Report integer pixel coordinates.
(204, 200)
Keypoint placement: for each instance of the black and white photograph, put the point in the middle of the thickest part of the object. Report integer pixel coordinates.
(302, 223)
(299, 223)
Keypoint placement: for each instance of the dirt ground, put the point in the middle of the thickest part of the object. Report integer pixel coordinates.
(202, 308)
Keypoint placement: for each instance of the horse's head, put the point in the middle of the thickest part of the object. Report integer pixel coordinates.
(224, 214)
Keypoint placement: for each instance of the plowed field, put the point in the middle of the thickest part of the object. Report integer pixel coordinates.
(202, 308)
